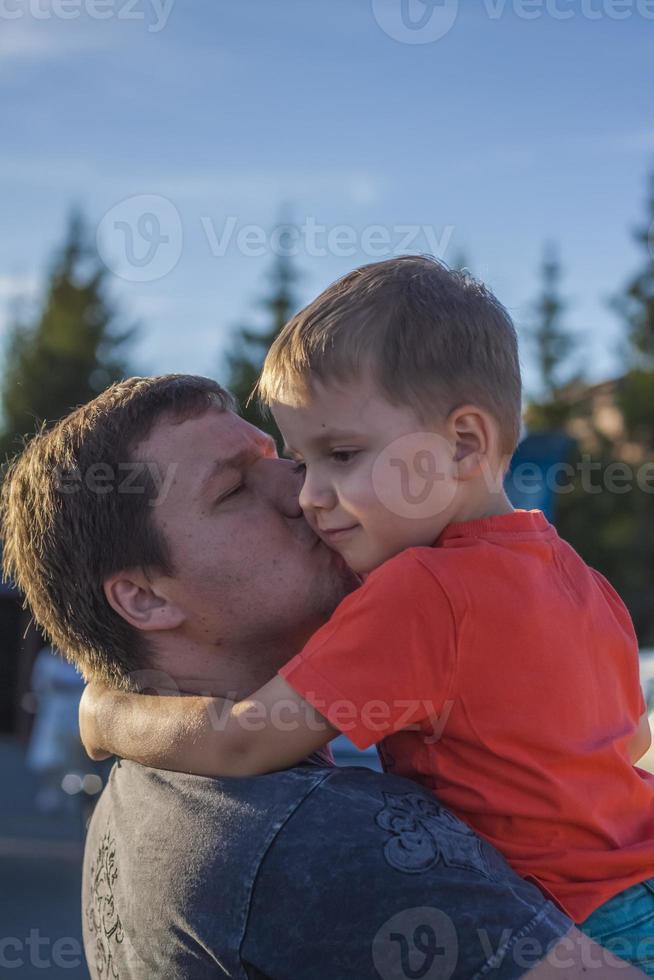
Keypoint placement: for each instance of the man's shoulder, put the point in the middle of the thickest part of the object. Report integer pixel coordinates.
(189, 877)
(176, 855)
(195, 819)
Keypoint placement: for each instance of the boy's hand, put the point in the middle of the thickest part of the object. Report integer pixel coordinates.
(90, 710)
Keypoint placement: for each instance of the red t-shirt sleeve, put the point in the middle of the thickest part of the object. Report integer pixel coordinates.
(385, 661)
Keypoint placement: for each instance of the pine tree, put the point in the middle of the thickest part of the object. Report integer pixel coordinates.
(614, 531)
(553, 344)
(552, 340)
(251, 346)
(70, 351)
(636, 307)
(636, 304)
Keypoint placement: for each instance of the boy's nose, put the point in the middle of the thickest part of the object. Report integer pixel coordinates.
(315, 495)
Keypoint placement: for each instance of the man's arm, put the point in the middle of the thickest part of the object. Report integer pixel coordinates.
(273, 729)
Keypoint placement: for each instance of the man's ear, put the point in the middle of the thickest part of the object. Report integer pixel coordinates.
(132, 596)
(475, 435)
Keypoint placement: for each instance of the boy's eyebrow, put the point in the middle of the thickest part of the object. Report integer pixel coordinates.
(331, 435)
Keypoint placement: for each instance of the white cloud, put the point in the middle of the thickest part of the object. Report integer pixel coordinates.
(13, 290)
(21, 41)
(16, 287)
(255, 188)
(30, 39)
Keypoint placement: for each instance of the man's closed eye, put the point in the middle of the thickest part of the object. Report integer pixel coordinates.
(231, 493)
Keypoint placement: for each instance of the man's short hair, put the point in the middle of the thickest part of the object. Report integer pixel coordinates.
(433, 339)
(75, 507)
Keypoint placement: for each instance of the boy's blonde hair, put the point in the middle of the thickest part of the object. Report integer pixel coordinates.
(432, 338)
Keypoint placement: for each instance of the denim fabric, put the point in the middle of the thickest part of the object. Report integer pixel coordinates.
(316, 873)
(625, 925)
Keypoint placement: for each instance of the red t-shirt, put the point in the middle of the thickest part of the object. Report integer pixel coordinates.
(500, 671)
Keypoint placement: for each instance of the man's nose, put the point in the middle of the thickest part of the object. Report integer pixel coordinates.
(279, 482)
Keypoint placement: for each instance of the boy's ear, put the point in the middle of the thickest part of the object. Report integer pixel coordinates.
(132, 596)
(474, 434)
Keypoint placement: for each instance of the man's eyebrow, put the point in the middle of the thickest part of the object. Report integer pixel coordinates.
(233, 462)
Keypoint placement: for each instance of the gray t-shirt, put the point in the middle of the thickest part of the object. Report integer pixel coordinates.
(315, 873)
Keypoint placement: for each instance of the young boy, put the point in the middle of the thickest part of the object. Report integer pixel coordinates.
(480, 654)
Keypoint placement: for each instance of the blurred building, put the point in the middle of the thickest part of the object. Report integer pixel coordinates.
(596, 416)
(595, 413)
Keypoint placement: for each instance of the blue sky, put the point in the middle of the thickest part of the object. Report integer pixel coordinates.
(525, 122)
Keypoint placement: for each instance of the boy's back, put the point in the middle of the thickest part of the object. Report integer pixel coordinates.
(529, 659)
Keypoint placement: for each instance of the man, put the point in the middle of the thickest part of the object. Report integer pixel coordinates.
(159, 542)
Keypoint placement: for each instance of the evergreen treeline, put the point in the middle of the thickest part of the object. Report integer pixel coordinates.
(607, 511)
(76, 343)
(70, 350)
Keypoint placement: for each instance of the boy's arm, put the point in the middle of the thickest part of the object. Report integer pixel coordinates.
(273, 729)
(641, 741)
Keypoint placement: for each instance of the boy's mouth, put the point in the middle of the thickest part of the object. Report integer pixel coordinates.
(336, 533)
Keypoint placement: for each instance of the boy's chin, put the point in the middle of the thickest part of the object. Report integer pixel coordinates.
(363, 558)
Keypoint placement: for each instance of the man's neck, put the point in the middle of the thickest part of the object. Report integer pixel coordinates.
(181, 668)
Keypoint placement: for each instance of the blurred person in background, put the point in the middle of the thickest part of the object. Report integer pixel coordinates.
(68, 779)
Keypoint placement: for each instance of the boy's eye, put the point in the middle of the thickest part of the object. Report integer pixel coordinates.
(343, 455)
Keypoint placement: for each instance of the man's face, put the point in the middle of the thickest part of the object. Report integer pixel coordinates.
(248, 569)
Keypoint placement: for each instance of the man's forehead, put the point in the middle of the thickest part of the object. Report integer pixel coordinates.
(215, 426)
(201, 442)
